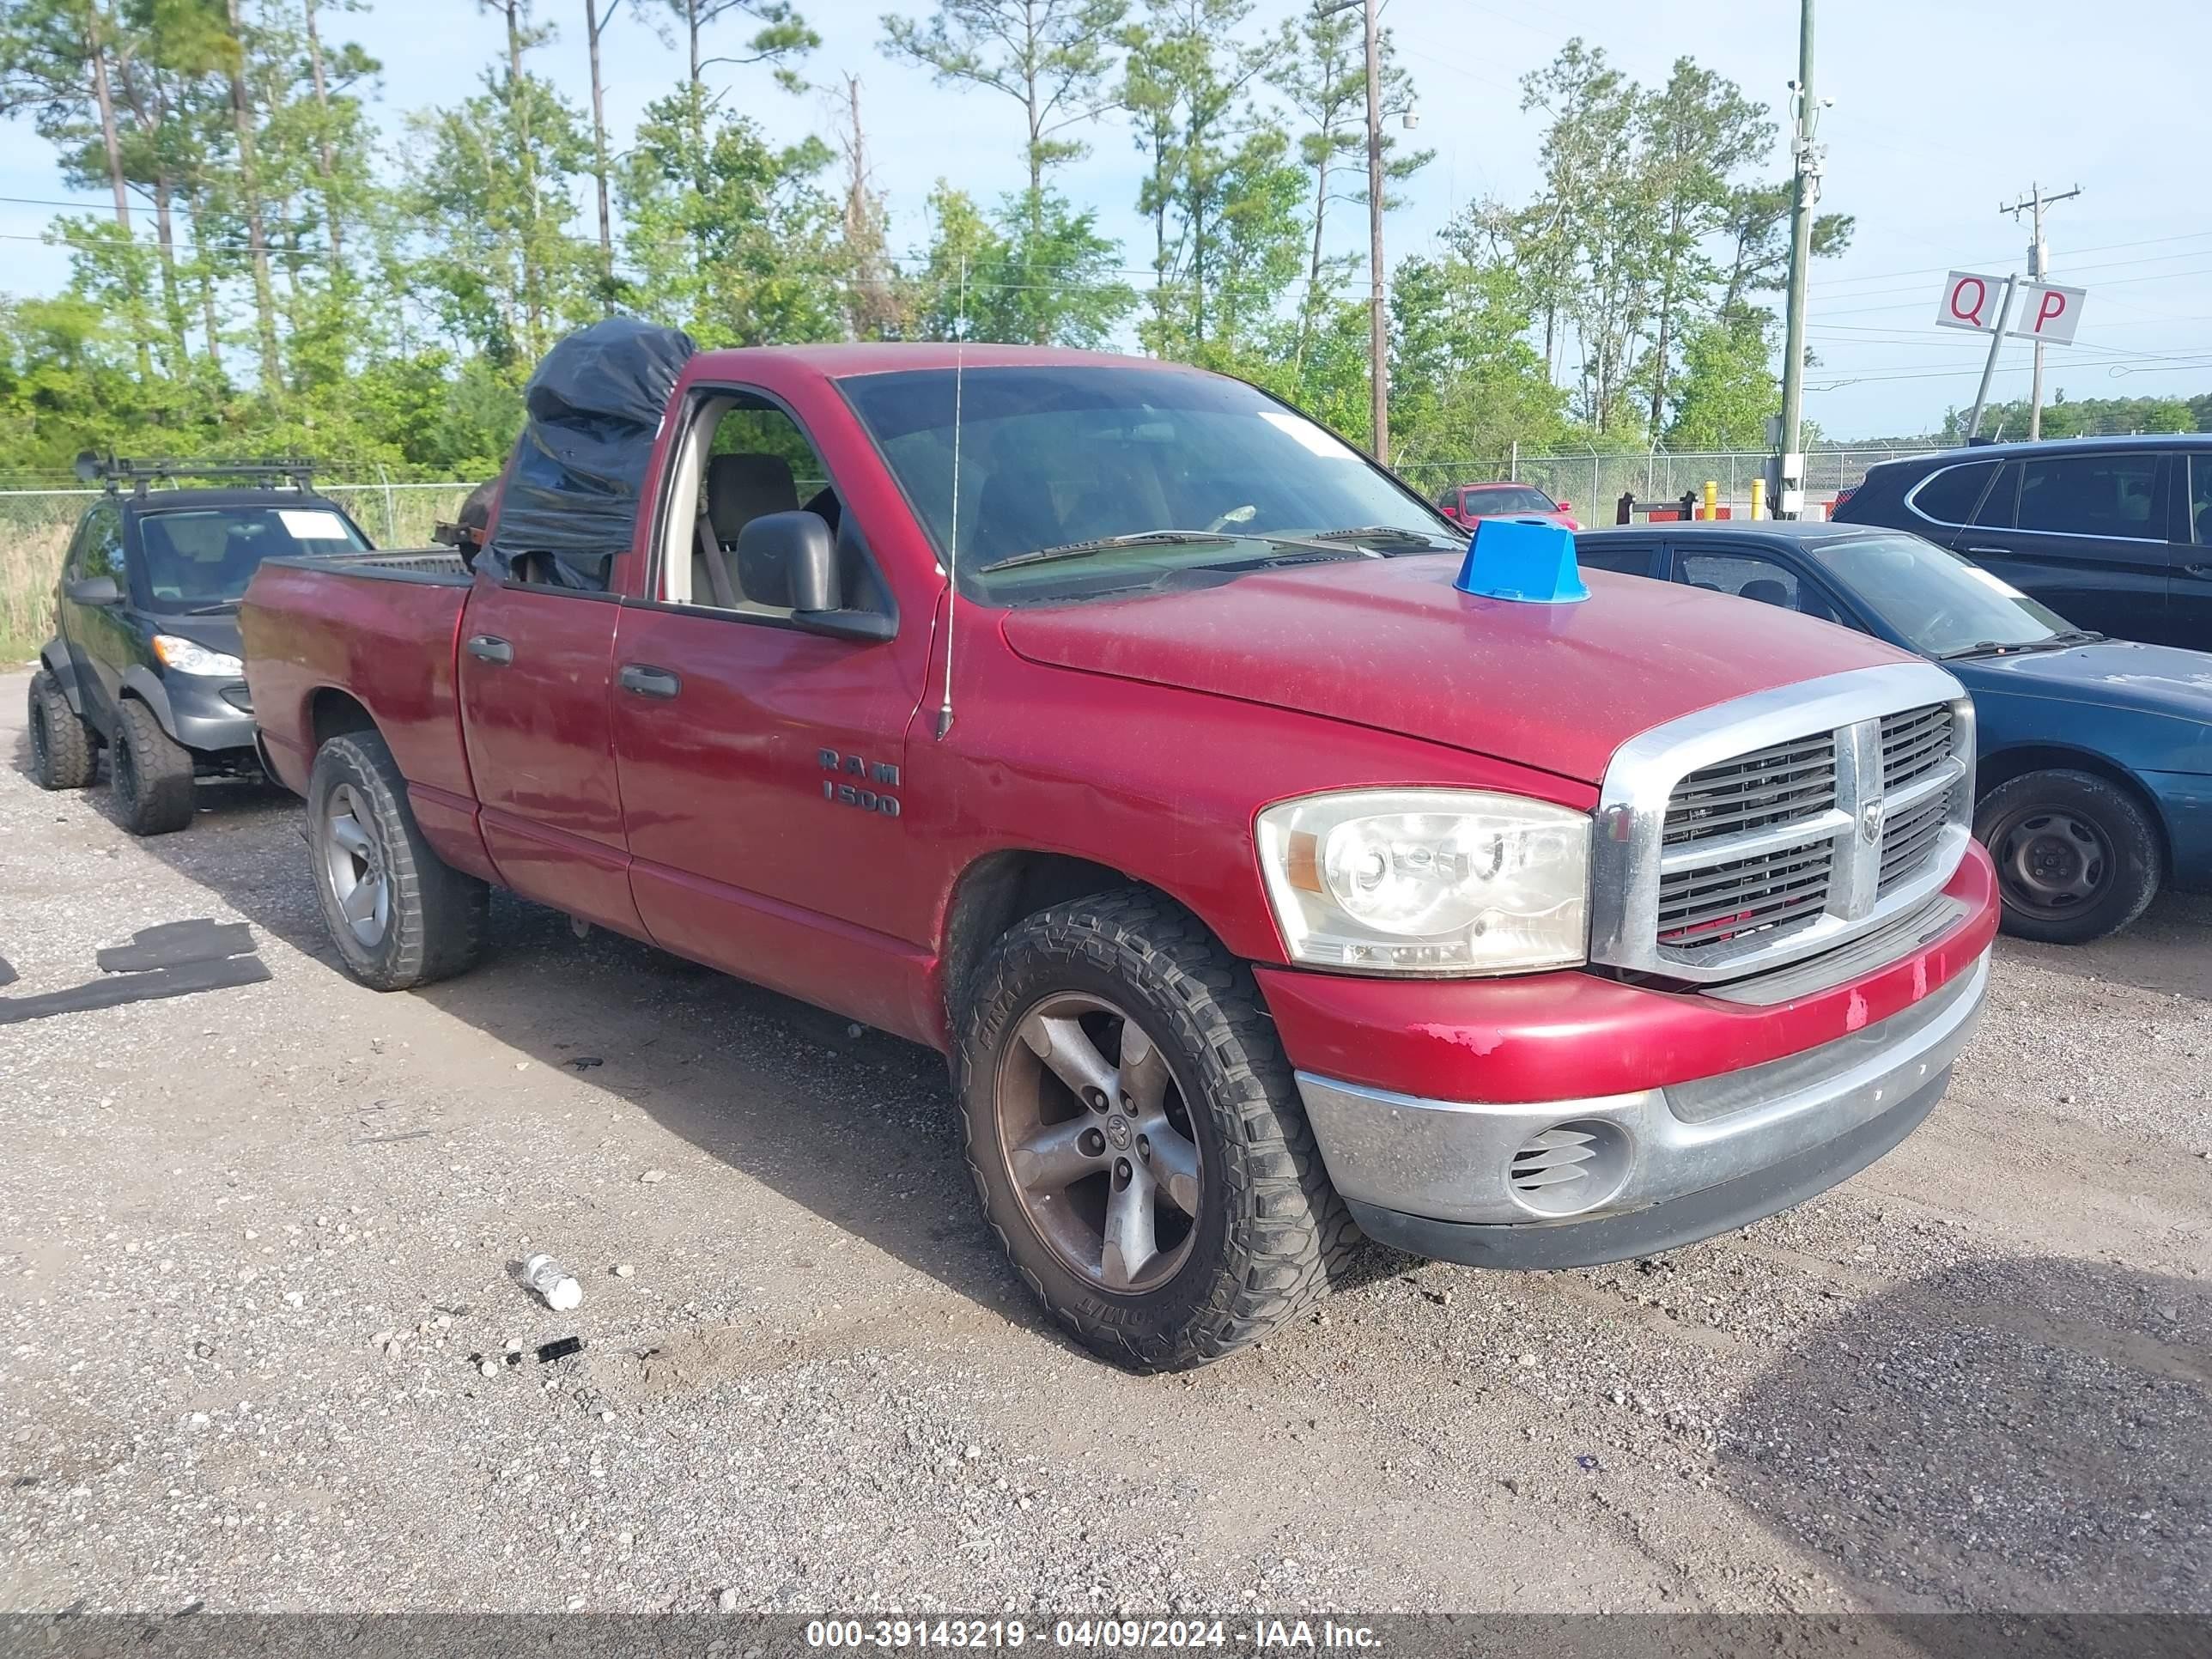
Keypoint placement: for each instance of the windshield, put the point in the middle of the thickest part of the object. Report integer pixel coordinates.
(198, 556)
(1513, 498)
(1939, 603)
(1060, 458)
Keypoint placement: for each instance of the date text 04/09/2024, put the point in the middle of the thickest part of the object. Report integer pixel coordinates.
(1091, 1634)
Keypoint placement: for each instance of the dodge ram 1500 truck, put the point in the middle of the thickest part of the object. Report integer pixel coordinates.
(1123, 734)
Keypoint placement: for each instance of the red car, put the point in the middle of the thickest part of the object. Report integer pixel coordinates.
(1465, 503)
(1112, 728)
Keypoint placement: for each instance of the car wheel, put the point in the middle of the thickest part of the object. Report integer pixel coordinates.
(62, 752)
(2077, 856)
(1136, 1138)
(152, 772)
(400, 914)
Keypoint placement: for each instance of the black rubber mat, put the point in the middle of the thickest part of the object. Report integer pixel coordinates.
(175, 959)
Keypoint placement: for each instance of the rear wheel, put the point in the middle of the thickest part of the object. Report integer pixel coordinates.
(152, 772)
(400, 914)
(62, 752)
(2077, 856)
(1136, 1138)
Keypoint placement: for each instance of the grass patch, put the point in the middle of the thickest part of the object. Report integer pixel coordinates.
(30, 564)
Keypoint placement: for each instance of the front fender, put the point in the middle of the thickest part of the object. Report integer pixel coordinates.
(142, 682)
(54, 657)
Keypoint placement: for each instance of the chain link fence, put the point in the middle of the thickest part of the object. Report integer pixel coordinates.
(1593, 481)
(35, 526)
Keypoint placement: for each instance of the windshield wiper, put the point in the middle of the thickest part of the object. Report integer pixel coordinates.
(1108, 543)
(1384, 532)
(2006, 647)
(210, 609)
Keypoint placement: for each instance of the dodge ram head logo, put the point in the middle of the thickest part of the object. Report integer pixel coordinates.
(1871, 818)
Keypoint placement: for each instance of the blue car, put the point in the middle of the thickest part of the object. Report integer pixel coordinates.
(2095, 778)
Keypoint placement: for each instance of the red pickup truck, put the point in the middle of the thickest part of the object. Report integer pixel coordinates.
(1264, 888)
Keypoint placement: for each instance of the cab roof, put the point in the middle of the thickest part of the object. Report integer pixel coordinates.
(845, 359)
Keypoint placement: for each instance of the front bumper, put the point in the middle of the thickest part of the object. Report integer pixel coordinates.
(205, 711)
(1567, 1183)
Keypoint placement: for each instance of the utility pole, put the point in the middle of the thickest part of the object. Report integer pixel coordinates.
(1378, 314)
(1378, 302)
(1806, 157)
(2039, 267)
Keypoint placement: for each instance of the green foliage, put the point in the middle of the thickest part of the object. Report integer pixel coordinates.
(1050, 56)
(1464, 378)
(2089, 417)
(731, 240)
(1036, 273)
(1728, 386)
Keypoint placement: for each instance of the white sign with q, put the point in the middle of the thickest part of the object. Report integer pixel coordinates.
(1971, 301)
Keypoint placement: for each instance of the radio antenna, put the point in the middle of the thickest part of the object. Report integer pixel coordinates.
(952, 536)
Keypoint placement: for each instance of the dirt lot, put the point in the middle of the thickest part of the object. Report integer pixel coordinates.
(254, 1249)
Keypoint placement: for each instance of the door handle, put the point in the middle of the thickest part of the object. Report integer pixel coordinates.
(2202, 571)
(646, 681)
(487, 647)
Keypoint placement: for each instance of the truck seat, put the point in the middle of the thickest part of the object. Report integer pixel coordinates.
(740, 489)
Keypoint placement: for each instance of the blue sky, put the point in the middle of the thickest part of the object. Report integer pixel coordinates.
(1943, 108)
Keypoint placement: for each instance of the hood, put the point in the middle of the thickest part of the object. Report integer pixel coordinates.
(217, 631)
(2117, 674)
(1391, 644)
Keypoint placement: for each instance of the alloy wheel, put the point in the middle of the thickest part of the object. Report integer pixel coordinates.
(360, 879)
(1098, 1143)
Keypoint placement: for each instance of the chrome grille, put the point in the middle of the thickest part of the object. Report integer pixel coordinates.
(1784, 784)
(1777, 785)
(1724, 902)
(1914, 744)
(1907, 841)
(1782, 826)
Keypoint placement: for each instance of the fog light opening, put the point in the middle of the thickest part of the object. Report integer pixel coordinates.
(1569, 1167)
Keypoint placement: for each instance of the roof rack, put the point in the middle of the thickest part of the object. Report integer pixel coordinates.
(114, 472)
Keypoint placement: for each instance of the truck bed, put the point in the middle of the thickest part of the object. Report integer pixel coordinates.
(328, 636)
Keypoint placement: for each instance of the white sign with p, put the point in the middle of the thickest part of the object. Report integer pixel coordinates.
(2049, 312)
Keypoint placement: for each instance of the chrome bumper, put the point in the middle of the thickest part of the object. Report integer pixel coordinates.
(1562, 1163)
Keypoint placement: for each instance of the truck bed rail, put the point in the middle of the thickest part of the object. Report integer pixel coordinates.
(442, 566)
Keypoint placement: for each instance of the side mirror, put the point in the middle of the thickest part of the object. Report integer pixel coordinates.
(790, 559)
(93, 589)
(1566, 507)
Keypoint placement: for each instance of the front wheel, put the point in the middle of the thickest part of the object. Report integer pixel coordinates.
(152, 772)
(400, 914)
(2077, 856)
(1135, 1135)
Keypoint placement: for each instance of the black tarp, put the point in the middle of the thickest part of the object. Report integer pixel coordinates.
(570, 498)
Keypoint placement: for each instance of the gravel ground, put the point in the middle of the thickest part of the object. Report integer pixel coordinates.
(257, 1246)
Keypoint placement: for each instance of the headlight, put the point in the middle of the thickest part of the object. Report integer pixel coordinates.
(186, 658)
(1428, 881)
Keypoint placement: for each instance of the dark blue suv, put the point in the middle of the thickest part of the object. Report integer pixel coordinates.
(2114, 534)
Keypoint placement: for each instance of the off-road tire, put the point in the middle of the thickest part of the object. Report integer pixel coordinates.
(62, 752)
(1271, 1238)
(438, 914)
(151, 771)
(2137, 865)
